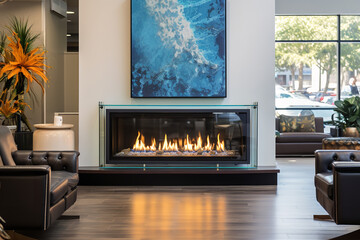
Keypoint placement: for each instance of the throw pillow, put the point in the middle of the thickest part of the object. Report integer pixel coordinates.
(297, 123)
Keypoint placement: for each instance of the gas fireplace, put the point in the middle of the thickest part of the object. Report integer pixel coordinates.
(176, 136)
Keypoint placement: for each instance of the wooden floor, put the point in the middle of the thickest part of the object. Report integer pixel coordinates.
(227, 212)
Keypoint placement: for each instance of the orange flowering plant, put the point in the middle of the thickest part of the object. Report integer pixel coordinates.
(9, 106)
(20, 66)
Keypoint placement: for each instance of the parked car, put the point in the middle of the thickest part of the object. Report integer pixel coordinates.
(285, 99)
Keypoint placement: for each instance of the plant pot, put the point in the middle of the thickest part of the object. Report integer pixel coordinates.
(12, 128)
(351, 132)
(24, 140)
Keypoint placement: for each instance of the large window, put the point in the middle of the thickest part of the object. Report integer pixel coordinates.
(317, 63)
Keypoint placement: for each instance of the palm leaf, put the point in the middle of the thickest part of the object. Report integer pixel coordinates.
(23, 30)
(2, 42)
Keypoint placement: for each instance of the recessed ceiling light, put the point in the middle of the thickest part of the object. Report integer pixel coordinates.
(68, 35)
(70, 12)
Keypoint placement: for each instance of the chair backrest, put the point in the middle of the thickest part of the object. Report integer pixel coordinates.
(7, 146)
(325, 158)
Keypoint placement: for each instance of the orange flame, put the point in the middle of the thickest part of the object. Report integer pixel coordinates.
(198, 144)
(169, 146)
(220, 146)
(153, 145)
(185, 144)
(165, 146)
(139, 145)
(208, 146)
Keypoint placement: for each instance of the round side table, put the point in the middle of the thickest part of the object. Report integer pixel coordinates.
(48, 137)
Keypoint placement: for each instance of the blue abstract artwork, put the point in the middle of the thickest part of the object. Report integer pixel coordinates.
(178, 48)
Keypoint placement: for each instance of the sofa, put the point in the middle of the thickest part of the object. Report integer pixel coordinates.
(300, 143)
(36, 187)
(337, 179)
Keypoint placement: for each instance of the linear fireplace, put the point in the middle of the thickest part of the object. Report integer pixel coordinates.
(177, 135)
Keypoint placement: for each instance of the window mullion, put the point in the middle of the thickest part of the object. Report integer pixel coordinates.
(339, 56)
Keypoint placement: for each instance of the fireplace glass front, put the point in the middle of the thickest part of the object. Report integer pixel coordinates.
(180, 136)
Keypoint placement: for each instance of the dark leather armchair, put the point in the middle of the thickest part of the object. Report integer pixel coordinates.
(337, 182)
(36, 188)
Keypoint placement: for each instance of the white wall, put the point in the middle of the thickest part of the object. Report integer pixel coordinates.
(71, 82)
(55, 43)
(317, 7)
(104, 67)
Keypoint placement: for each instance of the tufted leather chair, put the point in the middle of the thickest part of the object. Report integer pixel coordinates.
(337, 182)
(36, 188)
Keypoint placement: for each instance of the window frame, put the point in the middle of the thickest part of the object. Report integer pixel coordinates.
(338, 42)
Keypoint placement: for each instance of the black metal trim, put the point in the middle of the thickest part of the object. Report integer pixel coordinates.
(185, 179)
(205, 160)
(316, 41)
(304, 108)
(178, 97)
(339, 57)
(305, 41)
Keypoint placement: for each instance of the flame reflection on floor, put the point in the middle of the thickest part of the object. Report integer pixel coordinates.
(193, 212)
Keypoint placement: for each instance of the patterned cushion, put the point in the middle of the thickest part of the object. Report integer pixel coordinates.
(297, 123)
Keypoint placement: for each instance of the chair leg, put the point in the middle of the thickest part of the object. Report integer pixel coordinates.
(323, 218)
(69, 217)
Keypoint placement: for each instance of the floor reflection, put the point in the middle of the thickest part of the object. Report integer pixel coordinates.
(162, 214)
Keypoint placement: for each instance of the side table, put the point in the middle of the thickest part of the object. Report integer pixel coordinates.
(348, 143)
(48, 137)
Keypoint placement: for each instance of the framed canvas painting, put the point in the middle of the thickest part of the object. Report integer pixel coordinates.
(178, 48)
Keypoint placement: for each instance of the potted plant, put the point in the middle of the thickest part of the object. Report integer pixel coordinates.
(348, 117)
(20, 65)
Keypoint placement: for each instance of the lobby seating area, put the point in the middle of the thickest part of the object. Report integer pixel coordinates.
(36, 187)
(202, 212)
(179, 120)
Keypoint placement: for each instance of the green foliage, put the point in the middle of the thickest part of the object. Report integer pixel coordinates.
(2, 48)
(294, 56)
(350, 27)
(2, 42)
(305, 28)
(23, 30)
(8, 88)
(348, 113)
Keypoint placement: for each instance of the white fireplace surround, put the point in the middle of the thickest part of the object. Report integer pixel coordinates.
(105, 68)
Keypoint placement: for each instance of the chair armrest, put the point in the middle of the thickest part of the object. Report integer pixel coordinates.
(58, 161)
(25, 196)
(346, 194)
(24, 170)
(346, 167)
